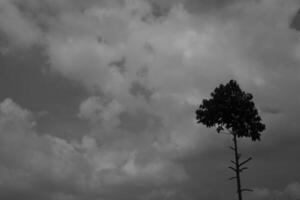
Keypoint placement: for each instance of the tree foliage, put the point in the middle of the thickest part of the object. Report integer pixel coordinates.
(231, 108)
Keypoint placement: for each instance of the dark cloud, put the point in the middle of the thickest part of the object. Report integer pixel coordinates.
(208, 6)
(140, 122)
(25, 76)
(159, 9)
(137, 89)
(119, 64)
(295, 23)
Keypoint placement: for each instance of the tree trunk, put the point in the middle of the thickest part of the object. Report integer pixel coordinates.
(237, 167)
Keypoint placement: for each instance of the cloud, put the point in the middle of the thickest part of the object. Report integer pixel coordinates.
(295, 21)
(29, 160)
(291, 191)
(165, 194)
(118, 155)
(39, 164)
(22, 30)
(97, 111)
(147, 65)
(179, 45)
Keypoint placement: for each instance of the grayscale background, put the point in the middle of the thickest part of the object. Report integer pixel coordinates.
(98, 98)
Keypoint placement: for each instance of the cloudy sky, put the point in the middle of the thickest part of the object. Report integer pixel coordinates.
(98, 98)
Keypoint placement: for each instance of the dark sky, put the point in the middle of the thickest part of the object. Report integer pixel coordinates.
(98, 98)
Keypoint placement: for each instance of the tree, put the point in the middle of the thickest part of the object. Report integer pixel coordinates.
(232, 111)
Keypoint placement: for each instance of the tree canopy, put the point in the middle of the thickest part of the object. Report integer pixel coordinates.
(233, 109)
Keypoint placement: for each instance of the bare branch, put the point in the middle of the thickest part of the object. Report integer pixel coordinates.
(246, 190)
(244, 162)
(242, 169)
(232, 148)
(232, 169)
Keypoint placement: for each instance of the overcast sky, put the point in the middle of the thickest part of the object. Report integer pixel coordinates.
(98, 98)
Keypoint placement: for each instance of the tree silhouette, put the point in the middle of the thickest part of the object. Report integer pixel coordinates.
(232, 111)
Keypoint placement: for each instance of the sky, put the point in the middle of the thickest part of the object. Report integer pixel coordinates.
(98, 98)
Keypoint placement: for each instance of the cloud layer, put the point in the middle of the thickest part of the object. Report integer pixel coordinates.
(146, 65)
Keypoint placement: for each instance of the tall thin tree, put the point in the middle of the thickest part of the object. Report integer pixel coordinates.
(232, 111)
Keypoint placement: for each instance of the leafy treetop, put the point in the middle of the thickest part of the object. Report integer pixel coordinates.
(231, 108)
